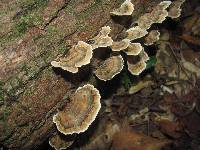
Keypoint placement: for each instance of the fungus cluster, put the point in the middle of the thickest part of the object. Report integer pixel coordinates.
(85, 104)
(81, 53)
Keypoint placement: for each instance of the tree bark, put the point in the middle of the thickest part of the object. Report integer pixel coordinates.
(32, 34)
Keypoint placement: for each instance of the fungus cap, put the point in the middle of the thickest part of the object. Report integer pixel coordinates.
(105, 31)
(126, 8)
(152, 37)
(86, 51)
(102, 42)
(77, 56)
(59, 143)
(158, 15)
(102, 39)
(163, 5)
(121, 45)
(145, 21)
(80, 112)
(64, 66)
(134, 49)
(110, 68)
(175, 9)
(137, 68)
(136, 33)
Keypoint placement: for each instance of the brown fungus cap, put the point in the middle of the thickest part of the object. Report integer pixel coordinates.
(158, 15)
(134, 49)
(152, 37)
(59, 142)
(137, 68)
(121, 45)
(145, 21)
(126, 8)
(80, 112)
(175, 9)
(77, 56)
(136, 33)
(110, 68)
(102, 39)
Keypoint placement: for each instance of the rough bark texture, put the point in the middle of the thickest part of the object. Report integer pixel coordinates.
(32, 34)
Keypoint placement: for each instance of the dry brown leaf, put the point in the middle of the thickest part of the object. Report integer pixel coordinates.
(172, 129)
(190, 39)
(128, 140)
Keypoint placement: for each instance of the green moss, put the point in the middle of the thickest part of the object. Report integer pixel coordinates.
(4, 113)
(151, 62)
(87, 13)
(62, 48)
(37, 37)
(30, 5)
(2, 94)
(20, 28)
(126, 81)
(32, 19)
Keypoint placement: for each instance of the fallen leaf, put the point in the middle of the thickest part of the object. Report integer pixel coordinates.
(190, 39)
(172, 129)
(141, 85)
(128, 140)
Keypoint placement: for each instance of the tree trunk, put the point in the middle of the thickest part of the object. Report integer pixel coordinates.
(32, 34)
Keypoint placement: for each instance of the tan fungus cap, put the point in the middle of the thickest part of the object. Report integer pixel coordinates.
(126, 8)
(77, 56)
(110, 68)
(152, 37)
(80, 112)
(121, 45)
(134, 49)
(136, 33)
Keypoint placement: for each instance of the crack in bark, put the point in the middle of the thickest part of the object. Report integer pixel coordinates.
(56, 15)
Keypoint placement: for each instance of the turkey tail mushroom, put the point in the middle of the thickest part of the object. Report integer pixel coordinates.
(80, 112)
(126, 8)
(76, 57)
(110, 68)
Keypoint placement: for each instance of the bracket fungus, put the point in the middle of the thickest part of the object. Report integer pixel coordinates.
(126, 8)
(137, 68)
(152, 37)
(102, 39)
(60, 142)
(134, 49)
(175, 9)
(121, 45)
(77, 56)
(110, 68)
(158, 15)
(80, 112)
(136, 33)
